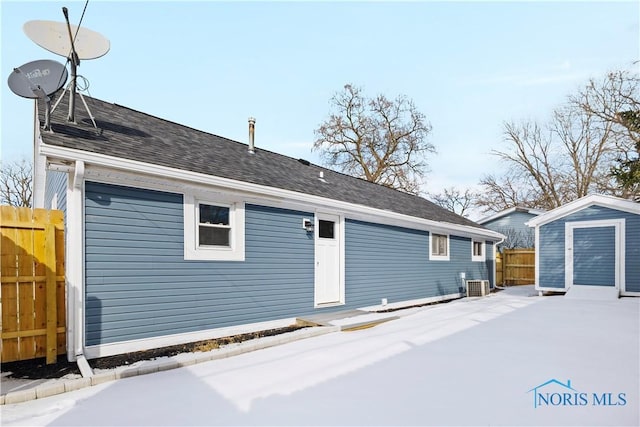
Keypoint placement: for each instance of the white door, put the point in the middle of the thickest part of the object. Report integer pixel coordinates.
(593, 253)
(327, 258)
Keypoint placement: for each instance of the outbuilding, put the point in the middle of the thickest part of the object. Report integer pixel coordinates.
(589, 246)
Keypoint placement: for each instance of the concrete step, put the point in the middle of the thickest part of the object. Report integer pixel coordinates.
(348, 320)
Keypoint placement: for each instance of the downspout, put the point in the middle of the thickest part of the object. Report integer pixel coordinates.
(75, 269)
(495, 264)
(39, 163)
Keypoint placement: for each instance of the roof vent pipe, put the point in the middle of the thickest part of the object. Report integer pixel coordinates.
(252, 131)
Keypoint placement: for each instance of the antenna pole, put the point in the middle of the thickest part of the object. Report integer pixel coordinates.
(75, 61)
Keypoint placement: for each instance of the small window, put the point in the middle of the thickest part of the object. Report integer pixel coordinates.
(213, 225)
(326, 229)
(477, 250)
(213, 229)
(439, 247)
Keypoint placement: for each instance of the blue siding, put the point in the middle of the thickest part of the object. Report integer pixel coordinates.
(594, 259)
(56, 183)
(393, 263)
(138, 284)
(551, 250)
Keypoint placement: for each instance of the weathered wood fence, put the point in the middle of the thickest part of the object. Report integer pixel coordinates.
(32, 291)
(516, 267)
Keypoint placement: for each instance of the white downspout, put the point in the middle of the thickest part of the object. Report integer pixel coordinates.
(75, 269)
(495, 264)
(39, 163)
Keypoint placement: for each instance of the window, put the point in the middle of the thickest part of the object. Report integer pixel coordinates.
(439, 247)
(477, 250)
(213, 230)
(326, 229)
(213, 226)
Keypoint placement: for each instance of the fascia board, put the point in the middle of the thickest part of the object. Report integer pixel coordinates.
(118, 163)
(583, 203)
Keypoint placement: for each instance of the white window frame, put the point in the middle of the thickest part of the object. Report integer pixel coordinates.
(482, 256)
(236, 249)
(433, 257)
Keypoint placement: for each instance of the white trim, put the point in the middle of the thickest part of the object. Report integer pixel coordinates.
(585, 202)
(483, 256)
(359, 211)
(619, 230)
(103, 350)
(410, 303)
(75, 262)
(433, 257)
(237, 222)
(537, 258)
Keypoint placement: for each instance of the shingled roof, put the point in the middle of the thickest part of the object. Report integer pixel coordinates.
(133, 135)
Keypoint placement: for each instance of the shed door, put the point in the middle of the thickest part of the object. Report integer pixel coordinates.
(593, 254)
(328, 259)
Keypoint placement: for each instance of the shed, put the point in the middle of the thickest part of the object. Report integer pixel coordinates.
(589, 245)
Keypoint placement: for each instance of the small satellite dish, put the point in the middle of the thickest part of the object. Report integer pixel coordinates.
(37, 79)
(54, 36)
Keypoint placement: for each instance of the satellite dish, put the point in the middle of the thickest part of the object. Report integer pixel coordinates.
(37, 79)
(54, 36)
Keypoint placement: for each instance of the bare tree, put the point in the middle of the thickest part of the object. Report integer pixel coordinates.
(514, 239)
(16, 183)
(570, 156)
(376, 139)
(506, 191)
(455, 200)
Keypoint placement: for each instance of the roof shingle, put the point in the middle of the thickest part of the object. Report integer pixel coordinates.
(129, 134)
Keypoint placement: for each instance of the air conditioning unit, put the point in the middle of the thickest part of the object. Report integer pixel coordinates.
(478, 288)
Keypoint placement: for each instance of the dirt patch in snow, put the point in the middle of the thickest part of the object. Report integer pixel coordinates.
(38, 369)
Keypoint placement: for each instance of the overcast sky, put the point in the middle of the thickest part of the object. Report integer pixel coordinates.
(469, 66)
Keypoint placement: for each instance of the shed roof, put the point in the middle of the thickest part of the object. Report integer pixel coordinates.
(129, 134)
(583, 203)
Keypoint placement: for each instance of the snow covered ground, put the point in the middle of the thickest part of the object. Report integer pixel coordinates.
(470, 362)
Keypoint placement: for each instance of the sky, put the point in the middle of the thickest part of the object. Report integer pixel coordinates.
(468, 66)
(474, 361)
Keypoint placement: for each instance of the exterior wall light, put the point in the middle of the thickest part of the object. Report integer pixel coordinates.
(307, 224)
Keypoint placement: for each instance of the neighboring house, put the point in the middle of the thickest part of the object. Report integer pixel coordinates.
(591, 242)
(512, 223)
(176, 235)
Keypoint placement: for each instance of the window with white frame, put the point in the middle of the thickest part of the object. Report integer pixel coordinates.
(477, 250)
(439, 244)
(213, 230)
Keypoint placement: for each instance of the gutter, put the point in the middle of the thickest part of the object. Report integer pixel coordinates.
(203, 179)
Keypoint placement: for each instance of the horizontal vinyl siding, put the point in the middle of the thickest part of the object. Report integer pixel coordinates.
(552, 257)
(632, 259)
(138, 284)
(393, 263)
(56, 183)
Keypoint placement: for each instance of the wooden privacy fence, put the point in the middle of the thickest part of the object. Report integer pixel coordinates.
(516, 267)
(32, 291)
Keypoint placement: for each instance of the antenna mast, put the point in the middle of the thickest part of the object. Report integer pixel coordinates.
(75, 61)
